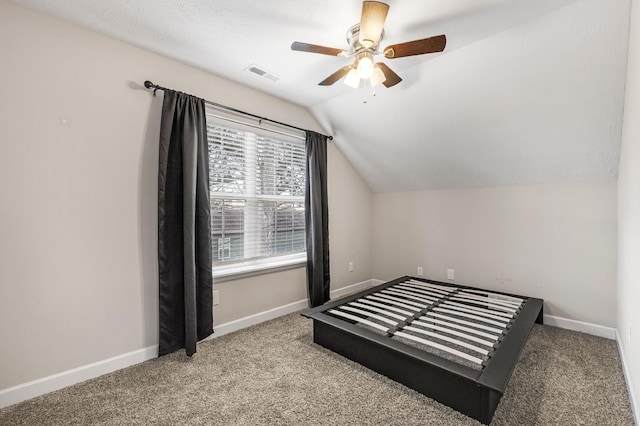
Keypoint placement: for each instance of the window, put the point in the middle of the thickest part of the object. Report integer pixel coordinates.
(257, 184)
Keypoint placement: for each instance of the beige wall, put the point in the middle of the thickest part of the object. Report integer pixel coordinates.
(629, 217)
(78, 182)
(349, 222)
(557, 242)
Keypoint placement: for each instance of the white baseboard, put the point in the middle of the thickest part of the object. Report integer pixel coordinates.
(626, 373)
(584, 327)
(354, 288)
(24, 391)
(239, 324)
(38, 387)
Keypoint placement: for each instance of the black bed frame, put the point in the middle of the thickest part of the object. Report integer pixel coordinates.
(473, 392)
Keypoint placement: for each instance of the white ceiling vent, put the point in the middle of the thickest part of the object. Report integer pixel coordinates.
(260, 71)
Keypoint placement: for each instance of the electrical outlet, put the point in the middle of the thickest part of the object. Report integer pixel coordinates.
(351, 266)
(450, 274)
(216, 297)
(420, 271)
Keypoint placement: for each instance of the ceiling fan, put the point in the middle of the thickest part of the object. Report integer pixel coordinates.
(364, 39)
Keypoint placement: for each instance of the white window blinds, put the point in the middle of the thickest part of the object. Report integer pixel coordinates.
(257, 183)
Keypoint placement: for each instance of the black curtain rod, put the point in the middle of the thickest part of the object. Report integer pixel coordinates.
(155, 87)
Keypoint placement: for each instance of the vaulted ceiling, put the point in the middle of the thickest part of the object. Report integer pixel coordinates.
(525, 92)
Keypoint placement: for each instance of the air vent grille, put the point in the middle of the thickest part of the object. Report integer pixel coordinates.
(261, 72)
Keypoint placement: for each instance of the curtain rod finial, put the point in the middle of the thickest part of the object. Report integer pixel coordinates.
(148, 84)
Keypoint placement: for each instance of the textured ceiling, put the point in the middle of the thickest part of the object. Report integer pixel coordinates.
(525, 92)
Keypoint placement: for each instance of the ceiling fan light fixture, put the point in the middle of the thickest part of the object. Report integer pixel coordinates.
(352, 79)
(377, 77)
(365, 65)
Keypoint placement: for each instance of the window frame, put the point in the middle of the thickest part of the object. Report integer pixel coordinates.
(270, 264)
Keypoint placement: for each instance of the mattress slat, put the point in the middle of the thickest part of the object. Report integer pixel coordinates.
(358, 319)
(423, 299)
(395, 301)
(422, 290)
(383, 306)
(368, 314)
(474, 317)
(466, 309)
(482, 309)
(448, 339)
(383, 293)
(442, 288)
(441, 347)
(496, 295)
(454, 333)
(469, 323)
(485, 305)
(491, 336)
(489, 301)
(378, 310)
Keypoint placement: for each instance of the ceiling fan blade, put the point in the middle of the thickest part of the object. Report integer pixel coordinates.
(314, 48)
(416, 47)
(391, 77)
(374, 13)
(335, 76)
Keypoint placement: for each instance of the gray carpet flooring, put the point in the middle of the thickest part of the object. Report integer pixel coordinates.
(273, 374)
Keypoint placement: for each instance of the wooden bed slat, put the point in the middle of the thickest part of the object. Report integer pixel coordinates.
(406, 302)
(470, 316)
(441, 347)
(457, 342)
(358, 319)
(482, 309)
(469, 323)
(369, 315)
(382, 305)
(455, 333)
(411, 293)
(378, 310)
(448, 324)
(468, 310)
(404, 295)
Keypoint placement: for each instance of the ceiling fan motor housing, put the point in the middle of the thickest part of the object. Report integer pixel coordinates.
(353, 41)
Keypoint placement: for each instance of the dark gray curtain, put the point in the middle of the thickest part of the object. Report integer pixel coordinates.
(317, 220)
(184, 225)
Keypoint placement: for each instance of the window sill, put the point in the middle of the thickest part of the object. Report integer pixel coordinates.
(236, 272)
